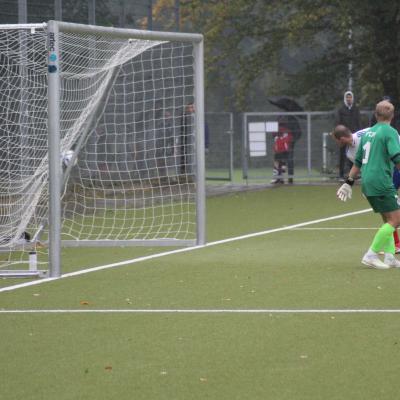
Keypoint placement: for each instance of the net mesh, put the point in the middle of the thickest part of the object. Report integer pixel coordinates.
(23, 135)
(127, 139)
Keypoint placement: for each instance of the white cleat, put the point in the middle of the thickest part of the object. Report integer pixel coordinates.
(392, 261)
(374, 262)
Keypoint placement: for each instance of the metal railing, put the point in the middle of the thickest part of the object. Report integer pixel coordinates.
(313, 155)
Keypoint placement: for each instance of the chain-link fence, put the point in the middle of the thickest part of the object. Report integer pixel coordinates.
(219, 145)
(290, 145)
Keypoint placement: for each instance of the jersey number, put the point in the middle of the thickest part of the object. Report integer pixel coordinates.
(367, 149)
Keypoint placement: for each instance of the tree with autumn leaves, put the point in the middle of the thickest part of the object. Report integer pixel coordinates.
(298, 48)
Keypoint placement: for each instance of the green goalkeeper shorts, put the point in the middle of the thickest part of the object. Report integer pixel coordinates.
(385, 203)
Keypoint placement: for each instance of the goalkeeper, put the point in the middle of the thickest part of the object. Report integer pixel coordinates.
(351, 141)
(378, 151)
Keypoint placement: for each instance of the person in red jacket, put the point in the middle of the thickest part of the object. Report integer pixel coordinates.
(282, 144)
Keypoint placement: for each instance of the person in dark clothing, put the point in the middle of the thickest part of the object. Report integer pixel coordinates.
(283, 140)
(186, 138)
(395, 123)
(349, 116)
(294, 127)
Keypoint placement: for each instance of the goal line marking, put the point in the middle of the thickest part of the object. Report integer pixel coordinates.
(333, 228)
(183, 250)
(207, 311)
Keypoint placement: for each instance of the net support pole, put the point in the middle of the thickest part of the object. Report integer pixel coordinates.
(53, 75)
(200, 163)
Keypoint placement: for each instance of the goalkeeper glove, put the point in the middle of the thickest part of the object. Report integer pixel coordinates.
(345, 191)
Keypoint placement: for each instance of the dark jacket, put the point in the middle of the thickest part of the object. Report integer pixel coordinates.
(349, 116)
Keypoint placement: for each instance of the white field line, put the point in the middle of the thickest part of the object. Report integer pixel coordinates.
(183, 250)
(334, 229)
(208, 311)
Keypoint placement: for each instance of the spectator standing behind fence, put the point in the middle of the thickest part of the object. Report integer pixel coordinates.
(349, 116)
(292, 121)
(187, 139)
(294, 127)
(283, 141)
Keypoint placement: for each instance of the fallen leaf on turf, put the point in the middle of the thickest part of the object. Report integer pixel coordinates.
(84, 303)
(108, 368)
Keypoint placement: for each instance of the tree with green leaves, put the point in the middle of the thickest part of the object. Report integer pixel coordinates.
(299, 48)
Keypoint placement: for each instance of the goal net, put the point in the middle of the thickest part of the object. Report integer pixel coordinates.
(129, 166)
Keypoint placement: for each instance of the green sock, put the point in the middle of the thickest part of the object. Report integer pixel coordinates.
(383, 238)
(389, 246)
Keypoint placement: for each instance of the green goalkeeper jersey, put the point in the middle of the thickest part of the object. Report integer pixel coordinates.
(377, 153)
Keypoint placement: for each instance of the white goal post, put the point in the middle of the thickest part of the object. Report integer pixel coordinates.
(110, 123)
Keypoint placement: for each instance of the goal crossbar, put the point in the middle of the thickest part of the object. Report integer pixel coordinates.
(128, 33)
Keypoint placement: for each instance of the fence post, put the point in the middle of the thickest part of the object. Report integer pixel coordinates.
(309, 143)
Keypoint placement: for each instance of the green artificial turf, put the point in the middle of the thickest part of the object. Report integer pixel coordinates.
(207, 355)
(201, 356)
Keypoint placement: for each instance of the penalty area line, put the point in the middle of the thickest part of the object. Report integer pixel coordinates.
(207, 311)
(183, 250)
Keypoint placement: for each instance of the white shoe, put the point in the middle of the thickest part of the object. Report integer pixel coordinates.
(374, 262)
(392, 261)
(276, 181)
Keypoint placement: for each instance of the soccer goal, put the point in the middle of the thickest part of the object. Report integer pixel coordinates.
(102, 141)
